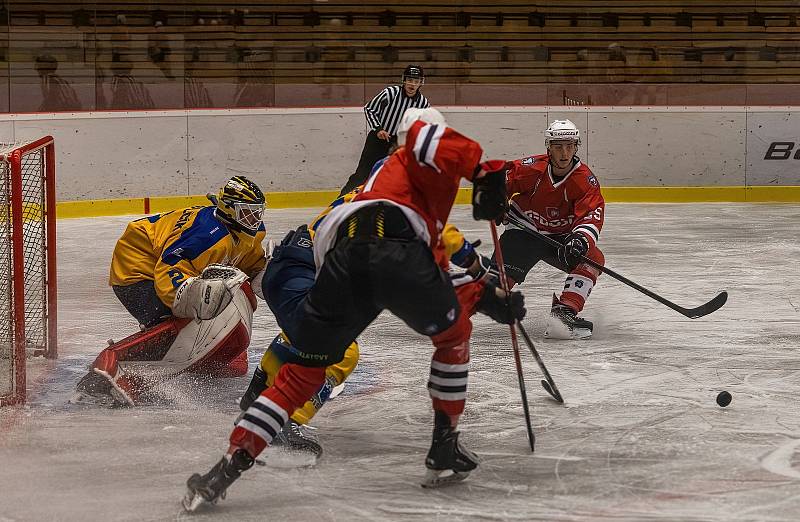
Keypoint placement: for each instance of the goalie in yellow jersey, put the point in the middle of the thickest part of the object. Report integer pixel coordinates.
(183, 276)
(288, 278)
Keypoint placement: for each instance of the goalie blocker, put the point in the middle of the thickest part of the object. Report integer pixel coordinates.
(215, 343)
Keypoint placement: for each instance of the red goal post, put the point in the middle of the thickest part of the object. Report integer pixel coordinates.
(28, 315)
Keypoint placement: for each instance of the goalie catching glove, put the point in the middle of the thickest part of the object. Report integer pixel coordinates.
(489, 200)
(206, 296)
(503, 308)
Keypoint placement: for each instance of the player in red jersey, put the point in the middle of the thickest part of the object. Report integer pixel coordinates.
(384, 251)
(556, 194)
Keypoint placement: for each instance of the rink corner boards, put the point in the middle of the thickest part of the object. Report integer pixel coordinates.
(276, 200)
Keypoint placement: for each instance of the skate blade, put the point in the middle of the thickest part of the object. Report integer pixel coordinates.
(86, 399)
(437, 479)
(562, 333)
(192, 501)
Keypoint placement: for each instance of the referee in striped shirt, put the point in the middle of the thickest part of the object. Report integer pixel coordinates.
(383, 116)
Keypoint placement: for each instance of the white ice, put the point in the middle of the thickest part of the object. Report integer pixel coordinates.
(639, 438)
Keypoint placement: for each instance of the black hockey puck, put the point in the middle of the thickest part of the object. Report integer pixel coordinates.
(724, 398)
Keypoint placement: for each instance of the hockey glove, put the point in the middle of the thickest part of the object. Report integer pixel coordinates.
(480, 267)
(496, 304)
(489, 200)
(205, 297)
(575, 246)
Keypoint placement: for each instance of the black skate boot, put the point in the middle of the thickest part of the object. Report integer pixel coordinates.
(257, 385)
(564, 323)
(209, 488)
(298, 437)
(447, 461)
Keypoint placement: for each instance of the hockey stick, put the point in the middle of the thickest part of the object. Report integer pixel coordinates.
(548, 383)
(692, 313)
(514, 343)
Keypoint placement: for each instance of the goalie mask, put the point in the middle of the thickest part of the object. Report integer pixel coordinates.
(240, 204)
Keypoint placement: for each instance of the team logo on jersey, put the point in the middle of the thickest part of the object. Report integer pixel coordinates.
(324, 393)
(527, 161)
(552, 212)
(304, 242)
(592, 180)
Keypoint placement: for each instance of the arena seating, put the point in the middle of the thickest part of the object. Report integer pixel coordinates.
(574, 41)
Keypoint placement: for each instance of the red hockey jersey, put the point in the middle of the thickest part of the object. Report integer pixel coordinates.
(424, 176)
(574, 204)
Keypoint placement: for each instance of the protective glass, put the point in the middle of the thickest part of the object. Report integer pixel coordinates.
(249, 215)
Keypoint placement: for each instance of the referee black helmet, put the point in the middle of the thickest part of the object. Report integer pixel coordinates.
(414, 71)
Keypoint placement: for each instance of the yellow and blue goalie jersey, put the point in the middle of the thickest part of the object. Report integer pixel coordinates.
(171, 247)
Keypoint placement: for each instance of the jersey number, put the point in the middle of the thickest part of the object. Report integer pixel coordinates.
(176, 276)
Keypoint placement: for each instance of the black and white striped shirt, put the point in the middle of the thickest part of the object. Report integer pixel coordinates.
(386, 109)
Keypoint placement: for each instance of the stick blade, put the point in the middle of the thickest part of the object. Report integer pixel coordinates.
(710, 307)
(553, 393)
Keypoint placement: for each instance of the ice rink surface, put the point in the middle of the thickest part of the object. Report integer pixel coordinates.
(639, 438)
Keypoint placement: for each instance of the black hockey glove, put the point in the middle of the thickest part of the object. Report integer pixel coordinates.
(575, 246)
(479, 267)
(500, 307)
(489, 200)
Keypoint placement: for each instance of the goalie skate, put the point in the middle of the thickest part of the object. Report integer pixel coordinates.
(96, 389)
(564, 324)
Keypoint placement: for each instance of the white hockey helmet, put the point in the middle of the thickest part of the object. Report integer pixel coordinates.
(562, 130)
(429, 115)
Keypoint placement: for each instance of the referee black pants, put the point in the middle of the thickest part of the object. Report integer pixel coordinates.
(374, 149)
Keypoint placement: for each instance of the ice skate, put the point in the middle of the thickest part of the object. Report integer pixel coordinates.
(564, 323)
(94, 389)
(298, 437)
(447, 461)
(211, 487)
(258, 383)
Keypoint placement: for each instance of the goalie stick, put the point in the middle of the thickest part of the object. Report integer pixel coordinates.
(692, 313)
(514, 343)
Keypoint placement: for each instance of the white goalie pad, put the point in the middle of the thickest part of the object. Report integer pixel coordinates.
(204, 346)
(206, 296)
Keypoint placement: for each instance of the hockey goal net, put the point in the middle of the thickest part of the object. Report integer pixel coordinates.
(27, 261)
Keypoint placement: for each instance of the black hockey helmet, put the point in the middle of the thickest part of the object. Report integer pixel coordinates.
(414, 71)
